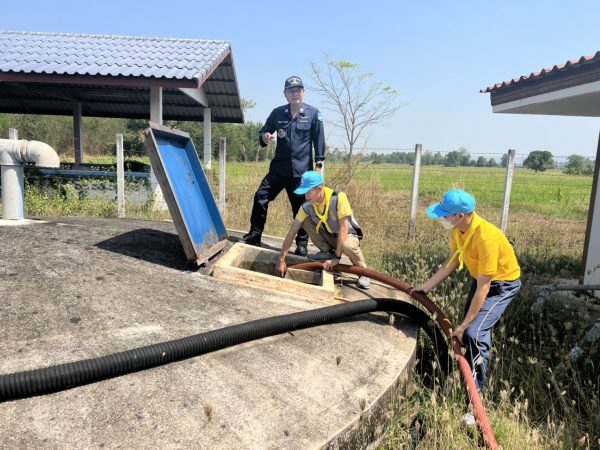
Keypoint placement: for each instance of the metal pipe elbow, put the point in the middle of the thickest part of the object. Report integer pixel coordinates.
(15, 152)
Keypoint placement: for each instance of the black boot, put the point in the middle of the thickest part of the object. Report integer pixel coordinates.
(301, 250)
(251, 238)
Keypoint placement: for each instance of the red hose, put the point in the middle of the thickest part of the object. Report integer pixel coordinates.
(445, 324)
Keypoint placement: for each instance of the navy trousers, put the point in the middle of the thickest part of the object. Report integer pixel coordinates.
(269, 189)
(478, 337)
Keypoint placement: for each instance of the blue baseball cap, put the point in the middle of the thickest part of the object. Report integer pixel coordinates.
(310, 179)
(453, 202)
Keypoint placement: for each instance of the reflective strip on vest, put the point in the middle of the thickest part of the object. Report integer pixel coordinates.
(332, 217)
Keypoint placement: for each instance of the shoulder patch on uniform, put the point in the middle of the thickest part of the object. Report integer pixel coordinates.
(319, 116)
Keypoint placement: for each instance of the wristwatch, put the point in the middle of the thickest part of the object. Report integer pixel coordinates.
(319, 165)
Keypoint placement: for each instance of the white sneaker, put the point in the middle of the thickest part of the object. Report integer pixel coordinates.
(468, 420)
(364, 282)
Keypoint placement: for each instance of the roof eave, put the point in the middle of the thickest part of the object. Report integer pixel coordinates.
(142, 82)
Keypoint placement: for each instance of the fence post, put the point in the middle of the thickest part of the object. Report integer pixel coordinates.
(414, 200)
(222, 162)
(13, 133)
(207, 139)
(510, 166)
(120, 178)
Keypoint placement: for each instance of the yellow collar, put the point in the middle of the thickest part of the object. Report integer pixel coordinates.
(460, 249)
(323, 217)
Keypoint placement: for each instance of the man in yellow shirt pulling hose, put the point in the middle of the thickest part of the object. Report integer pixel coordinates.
(490, 259)
(327, 218)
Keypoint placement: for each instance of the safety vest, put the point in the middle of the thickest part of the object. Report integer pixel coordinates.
(332, 218)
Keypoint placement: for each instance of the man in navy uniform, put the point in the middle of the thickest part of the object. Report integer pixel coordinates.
(299, 128)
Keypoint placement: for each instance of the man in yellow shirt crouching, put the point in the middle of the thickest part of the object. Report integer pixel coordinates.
(327, 218)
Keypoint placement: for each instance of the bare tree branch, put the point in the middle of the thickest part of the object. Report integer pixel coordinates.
(356, 100)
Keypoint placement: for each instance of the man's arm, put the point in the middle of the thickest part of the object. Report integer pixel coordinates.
(318, 137)
(483, 288)
(265, 134)
(342, 235)
(442, 273)
(281, 267)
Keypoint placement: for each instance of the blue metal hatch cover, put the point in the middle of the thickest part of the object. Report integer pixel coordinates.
(186, 191)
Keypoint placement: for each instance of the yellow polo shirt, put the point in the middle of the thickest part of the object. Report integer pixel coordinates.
(343, 208)
(488, 252)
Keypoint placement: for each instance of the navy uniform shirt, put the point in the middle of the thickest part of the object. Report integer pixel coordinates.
(295, 139)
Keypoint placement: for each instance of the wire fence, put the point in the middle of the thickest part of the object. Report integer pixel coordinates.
(381, 194)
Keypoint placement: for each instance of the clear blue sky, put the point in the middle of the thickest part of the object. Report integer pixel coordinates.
(438, 54)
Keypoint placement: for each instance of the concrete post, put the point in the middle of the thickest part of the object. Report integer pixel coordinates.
(207, 138)
(120, 178)
(13, 133)
(414, 200)
(510, 166)
(222, 164)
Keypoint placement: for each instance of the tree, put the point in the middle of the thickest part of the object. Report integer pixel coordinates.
(481, 162)
(579, 165)
(539, 160)
(356, 100)
(458, 157)
(492, 163)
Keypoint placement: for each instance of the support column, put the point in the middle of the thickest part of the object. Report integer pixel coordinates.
(591, 249)
(207, 138)
(77, 133)
(156, 110)
(156, 116)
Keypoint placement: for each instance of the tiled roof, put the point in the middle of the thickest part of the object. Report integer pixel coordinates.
(81, 54)
(111, 76)
(574, 63)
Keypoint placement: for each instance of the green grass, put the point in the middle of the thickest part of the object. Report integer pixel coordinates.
(552, 192)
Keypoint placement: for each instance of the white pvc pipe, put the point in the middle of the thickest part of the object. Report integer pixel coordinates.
(13, 191)
(13, 153)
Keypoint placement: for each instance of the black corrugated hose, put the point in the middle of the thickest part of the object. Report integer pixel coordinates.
(68, 375)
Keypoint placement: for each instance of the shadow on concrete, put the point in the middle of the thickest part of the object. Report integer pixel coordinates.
(154, 246)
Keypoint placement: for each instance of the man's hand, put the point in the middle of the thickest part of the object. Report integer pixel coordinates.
(331, 263)
(424, 288)
(280, 268)
(267, 137)
(458, 333)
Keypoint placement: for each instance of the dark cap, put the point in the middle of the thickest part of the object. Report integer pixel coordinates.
(293, 82)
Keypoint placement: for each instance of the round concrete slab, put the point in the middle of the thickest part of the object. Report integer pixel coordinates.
(76, 288)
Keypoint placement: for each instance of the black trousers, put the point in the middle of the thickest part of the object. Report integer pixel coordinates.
(269, 189)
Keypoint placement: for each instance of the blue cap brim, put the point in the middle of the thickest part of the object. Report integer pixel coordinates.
(302, 190)
(436, 211)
